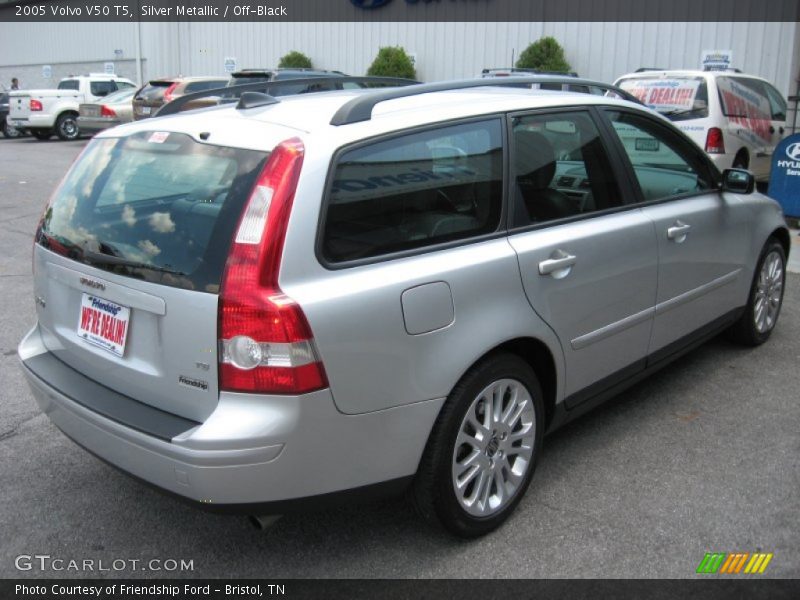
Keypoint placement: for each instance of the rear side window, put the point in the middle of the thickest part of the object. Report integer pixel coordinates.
(69, 84)
(154, 206)
(414, 191)
(199, 86)
(677, 98)
(102, 88)
(745, 102)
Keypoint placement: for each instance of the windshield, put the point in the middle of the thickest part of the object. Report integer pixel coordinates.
(155, 205)
(677, 98)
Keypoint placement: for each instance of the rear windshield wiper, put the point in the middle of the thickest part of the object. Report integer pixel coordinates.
(111, 259)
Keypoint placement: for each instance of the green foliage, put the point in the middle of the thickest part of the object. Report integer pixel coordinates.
(392, 61)
(545, 54)
(295, 60)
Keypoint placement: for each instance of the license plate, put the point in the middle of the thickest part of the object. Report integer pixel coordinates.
(145, 110)
(104, 324)
(647, 144)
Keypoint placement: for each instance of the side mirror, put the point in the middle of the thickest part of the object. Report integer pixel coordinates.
(738, 181)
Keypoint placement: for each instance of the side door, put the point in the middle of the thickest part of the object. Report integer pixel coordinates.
(413, 279)
(588, 263)
(703, 234)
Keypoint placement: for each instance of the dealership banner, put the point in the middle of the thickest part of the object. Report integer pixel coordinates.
(401, 10)
(441, 589)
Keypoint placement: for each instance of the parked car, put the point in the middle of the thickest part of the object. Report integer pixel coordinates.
(161, 91)
(47, 112)
(113, 110)
(288, 302)
(279, 74)
(570, 82)
(8, 130)
(738, 119)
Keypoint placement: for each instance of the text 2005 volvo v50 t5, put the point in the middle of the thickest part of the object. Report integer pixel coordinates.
(262, 306)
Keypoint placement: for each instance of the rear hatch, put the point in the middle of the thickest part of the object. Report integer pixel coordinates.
(129, 258)
(150, 98)
(19, 105)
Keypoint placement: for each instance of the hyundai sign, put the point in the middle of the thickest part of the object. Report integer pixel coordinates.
(784, 181)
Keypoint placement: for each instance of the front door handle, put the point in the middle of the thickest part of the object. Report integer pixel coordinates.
(678, 232)
(558, 265)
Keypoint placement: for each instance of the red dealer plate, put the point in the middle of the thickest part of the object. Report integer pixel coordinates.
(103, 323)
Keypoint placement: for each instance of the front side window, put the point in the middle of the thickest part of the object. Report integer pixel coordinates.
(414, 191)
(560, 168)
(777, 103)
(665, 164)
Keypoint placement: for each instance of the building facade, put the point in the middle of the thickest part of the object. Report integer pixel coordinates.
(40, 54)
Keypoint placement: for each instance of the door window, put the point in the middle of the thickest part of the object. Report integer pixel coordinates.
(415, 190)
(776, 102)
(560, 168)
(665, 165)
(102, 88)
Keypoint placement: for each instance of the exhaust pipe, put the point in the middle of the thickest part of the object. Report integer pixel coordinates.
(263, 522)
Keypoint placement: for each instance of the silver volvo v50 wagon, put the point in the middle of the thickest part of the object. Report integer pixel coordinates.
(265, 306)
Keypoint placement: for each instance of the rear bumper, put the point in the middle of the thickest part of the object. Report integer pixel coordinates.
(35, 121)
(254, 453)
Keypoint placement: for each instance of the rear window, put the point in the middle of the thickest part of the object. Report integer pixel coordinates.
(415, 190)
(155, 206)
(69, 84)
(153, 90)
(102, 88)
(677, 98)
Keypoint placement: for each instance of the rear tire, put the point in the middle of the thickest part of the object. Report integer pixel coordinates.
(482, 452)
(766, 297)
(42, 134)
(67, 127)
(10, 132)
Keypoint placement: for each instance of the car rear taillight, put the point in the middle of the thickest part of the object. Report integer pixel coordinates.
(168, 97)
(35, 105)
(106, 111)
(266, 344)
(714, 142)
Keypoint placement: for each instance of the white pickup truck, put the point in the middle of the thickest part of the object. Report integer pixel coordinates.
(45, 112)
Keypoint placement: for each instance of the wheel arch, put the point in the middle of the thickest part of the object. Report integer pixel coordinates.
(782, 235)
(540, 358)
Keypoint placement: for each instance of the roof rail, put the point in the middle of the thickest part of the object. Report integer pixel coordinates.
(234, 92)
(646, 69)
(360, 108)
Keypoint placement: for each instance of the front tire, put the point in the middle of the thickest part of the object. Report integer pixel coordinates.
(482, 452)
(67, 127)
(766, 297)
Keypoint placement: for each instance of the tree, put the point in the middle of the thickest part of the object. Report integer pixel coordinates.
(545, 54)
(295, 60)
(392, 61)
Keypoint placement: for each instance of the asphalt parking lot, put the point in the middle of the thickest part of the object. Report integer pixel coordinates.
(702, 457)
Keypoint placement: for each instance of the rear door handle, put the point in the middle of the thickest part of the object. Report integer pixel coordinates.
(558, 265)
(678, 231)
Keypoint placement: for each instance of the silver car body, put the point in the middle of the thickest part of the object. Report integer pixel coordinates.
(395, 335)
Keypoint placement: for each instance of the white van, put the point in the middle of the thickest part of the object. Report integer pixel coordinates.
(737, 119)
